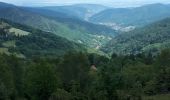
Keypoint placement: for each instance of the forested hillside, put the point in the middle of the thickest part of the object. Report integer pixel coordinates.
(26, 42)
(136, 16)
(151, 38)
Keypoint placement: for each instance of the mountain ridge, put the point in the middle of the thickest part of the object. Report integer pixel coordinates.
(136, 16)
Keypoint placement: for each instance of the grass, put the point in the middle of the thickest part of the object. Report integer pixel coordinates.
(4, 50)
(158, 97)
(9, 44)
(18, 32)
(19, 55)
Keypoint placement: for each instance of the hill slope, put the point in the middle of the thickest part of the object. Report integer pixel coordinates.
(133, 16)
(88, 34)
(25, 41)
(82, 11)
(149, 38)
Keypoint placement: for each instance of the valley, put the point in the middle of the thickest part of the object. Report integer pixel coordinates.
(70, 22)
(70, 28)
(151, 38)
(69, 50)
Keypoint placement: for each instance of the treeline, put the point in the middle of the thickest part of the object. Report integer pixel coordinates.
(79, 76)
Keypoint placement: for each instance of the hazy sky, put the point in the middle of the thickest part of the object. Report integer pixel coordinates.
(114, 3)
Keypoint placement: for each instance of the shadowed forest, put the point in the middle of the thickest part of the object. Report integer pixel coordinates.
(90, 77)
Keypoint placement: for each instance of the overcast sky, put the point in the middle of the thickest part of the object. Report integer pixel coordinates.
(113, 3)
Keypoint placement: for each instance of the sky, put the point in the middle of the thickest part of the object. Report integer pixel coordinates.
(112, 3)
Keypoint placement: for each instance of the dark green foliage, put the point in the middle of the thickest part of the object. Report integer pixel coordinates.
(71, 78)
(40, 81)
(3, 92)
(11, 79)
(163, 72)
(73, 71)
(6, 82)
(61, 94)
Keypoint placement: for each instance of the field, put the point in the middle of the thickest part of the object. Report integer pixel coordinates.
(18, 32)
(9, 44)
(4, 50)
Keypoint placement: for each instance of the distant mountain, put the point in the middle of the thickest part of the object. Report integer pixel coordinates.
(27, 42)
(138, 16)
(5, 5)
(73, 29)
(49, 13)
(82, 11)
(151, 38)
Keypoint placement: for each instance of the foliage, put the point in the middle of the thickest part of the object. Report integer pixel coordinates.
(40, 81)
(71, 78)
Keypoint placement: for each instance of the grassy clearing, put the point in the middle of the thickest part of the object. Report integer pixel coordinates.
(4, 50)
(19, 55)
(9, 44)
(157, 97)
(18, 32)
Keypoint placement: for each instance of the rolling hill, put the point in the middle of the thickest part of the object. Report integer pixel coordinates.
(73, 29)
(151, 38)
(81, 11)
(25, 41)
(138, 16)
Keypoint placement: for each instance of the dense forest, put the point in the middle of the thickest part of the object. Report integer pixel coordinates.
(81, 76)
(151, 38)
